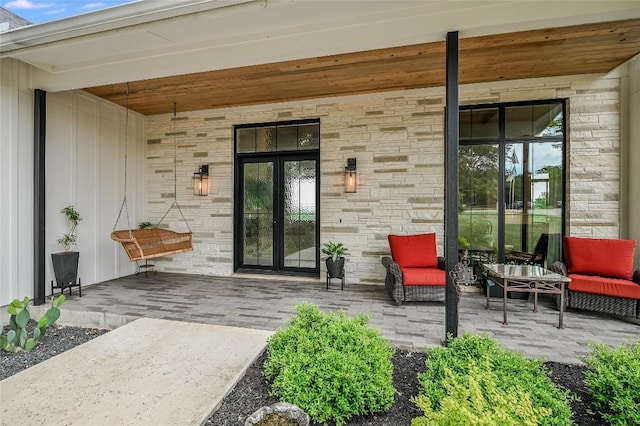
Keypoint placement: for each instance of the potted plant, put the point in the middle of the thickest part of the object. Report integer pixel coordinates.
(65, 264)
(335, 260)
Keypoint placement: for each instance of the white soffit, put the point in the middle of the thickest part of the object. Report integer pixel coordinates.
(150, 39)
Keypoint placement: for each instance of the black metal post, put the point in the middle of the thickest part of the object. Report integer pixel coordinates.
(39, 133)
(451, 183)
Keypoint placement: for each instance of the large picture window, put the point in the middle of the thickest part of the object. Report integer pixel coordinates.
(511, 179)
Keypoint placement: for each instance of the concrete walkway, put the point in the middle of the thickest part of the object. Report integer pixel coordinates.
(147, 372)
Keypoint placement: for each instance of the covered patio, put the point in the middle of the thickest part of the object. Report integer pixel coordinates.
(371, 75)
(266, 304)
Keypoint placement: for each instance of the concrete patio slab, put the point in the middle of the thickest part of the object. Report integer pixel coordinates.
(147, 372)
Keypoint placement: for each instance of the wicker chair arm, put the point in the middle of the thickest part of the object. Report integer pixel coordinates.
(442, 263)
(393, 280)
(393, 268)
(636, 276)
(559, 268)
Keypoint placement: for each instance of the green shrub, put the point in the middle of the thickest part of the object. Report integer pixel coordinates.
(330, 365)
(614, 382)
(476, 399)
(513, 372)
(17, 337)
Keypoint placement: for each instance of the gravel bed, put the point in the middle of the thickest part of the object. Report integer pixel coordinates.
(252, 390)
(57, 339)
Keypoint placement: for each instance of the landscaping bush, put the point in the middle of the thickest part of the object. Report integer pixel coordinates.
(515, 376)
(476, 399)
(614, 381)
(330, 365)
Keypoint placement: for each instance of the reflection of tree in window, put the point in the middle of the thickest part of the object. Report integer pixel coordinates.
(478, 175)
(554, 196)
(554, 128)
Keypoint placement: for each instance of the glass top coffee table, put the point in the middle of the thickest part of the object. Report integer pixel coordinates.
(527, 279)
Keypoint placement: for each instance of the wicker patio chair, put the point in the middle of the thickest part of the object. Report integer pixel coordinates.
(590, 300)
(432, 269)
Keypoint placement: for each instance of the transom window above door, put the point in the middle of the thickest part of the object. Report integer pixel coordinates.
(290, 136)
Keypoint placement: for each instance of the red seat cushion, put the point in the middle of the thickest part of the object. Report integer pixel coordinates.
(614, 287)
(602, 257)
(414, 251)
(423, 276)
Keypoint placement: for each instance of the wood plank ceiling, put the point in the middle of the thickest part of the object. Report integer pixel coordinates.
(581, 49)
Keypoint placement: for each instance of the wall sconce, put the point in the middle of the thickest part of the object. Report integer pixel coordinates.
(201, 181)
(351, 176)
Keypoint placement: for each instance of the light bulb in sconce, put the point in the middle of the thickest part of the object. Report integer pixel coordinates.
(351, 176)
(201, 181)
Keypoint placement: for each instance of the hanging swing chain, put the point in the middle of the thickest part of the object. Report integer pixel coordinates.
(175, 174)
(124, 206)
(175, 156)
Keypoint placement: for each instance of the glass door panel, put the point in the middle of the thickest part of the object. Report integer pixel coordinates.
(300, 214)
(517, 204)
(258, 214)
(478, 195)
(533, 194)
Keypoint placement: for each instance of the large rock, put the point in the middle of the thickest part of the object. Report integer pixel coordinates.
(279, 414)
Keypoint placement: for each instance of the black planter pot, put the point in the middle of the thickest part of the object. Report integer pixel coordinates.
(335, 269)
(65, 268)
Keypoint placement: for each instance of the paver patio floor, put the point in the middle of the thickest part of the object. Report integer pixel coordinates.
(267, 304)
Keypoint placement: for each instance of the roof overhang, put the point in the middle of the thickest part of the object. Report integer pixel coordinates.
(151, 40)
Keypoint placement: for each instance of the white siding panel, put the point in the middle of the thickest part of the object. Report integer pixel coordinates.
(87, 198)
(109, 197)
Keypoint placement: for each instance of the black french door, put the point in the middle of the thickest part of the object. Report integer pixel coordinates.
(277, 227)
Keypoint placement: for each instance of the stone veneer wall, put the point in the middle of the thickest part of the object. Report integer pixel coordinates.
(398, 140)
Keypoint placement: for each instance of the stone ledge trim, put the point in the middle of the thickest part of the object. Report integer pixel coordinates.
(390, 158)
(215, 259)
(376, 253)
(434, 101)
(389, 170)
(425, 200)
(340, 229)
(357, 148)
(397, 185)
(393, 129)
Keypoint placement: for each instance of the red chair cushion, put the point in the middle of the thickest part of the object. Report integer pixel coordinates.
(604, 286)
(423, 276)
(414, 251)
(602, 257)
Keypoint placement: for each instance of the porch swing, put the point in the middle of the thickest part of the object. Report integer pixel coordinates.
(151, 243)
